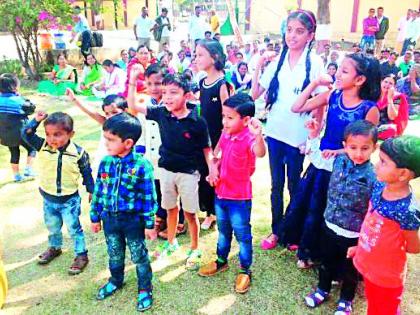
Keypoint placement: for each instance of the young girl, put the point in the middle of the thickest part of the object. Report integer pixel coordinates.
(284, 80)
(332, 70)
(12, 118)
(91, 75)
(391, 227)
(214, 90)
(355, 96)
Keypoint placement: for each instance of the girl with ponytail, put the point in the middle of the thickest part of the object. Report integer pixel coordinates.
(283, 80)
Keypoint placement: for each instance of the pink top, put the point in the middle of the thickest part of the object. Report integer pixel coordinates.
(370, 22)
(237, 166)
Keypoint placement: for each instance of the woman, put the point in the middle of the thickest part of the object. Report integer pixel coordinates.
(241, 79)
(113, 81)
(393, 109)
(123, 62)
(143, 57)
(62, 77)
(91, 75)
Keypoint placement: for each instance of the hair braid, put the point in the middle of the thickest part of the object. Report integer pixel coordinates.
(273, 89)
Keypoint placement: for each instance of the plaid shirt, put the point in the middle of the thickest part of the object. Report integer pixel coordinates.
(124, 185)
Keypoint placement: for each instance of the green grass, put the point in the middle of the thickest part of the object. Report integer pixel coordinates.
(277, 288)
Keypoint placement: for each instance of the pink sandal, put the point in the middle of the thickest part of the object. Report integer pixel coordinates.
(269, 242)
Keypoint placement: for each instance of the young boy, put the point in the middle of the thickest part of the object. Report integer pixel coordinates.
(184, 138)
(151, 139)
(61, 162)
(391, 227)
(125, 201)
(349, 191)
(240, 143)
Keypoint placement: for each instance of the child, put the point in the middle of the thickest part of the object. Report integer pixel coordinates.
(283, 80)
(352, 180)
(214, 90)
(184, 139)
(332, 70)
(240, 143)
(391, 227)
(151, 137)
(355, 96)
(61, 164)
(12, 117)
(125, 201)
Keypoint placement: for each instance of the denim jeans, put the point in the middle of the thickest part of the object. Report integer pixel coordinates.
(57, 213)
(234, 216)
(368, 41)
(406, 44)
(283, 158)
(121, 230)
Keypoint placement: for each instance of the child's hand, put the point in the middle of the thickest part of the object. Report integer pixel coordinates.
(312, 126)
(351, 251)
(96, 227)
(328, 154)
(136, 70)
(70, 94)
(90, 198)
(40, 116)
(151, 234)
(255, 126)
(324, 80)
(213, 177)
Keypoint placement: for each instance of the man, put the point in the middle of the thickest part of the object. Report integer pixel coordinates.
(214, 22)
(412, 32)
(247, 53)
(143, 27)
(370, 27)
(81, 28)
(402, 29)
(383, 29)
(389, 66)
(162, 29)
(407, 63)
(197, 26)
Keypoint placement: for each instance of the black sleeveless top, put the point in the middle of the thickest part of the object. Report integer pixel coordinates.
(211, 107)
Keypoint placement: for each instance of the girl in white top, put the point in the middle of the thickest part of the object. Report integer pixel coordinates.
(113, 81)
(283, 80)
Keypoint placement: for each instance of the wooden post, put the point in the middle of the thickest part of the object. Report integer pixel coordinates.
(234, 22)
(356, 5)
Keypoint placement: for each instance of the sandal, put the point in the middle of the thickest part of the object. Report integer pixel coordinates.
(180, 230)
(49, 255)
(269, 242)
(208, 223)
(316, 298)
(144, 300)
(106, 290)
(343, 307)
(160, 224)
(305, 264)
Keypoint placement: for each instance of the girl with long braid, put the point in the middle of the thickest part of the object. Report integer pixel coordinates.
(283, 80)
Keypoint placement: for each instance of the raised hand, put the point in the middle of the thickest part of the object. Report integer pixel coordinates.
(255, 126)
(40, 116)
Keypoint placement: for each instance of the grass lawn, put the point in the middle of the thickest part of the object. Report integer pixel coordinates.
(278, 286)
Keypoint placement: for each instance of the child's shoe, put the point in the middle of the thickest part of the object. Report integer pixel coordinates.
(243, 281)
(79, 264)
(166, 249)
(18, 178)
(343, 308)
(316, 298)
(208, 222)
(193, 260)
(106, 290)
(270, 242)
(49, 255)
(144, 300)
(29, 172)
(213, 268)
(304, 263)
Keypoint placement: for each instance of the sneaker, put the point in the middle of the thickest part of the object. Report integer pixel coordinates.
(29, 172)
(193, 260)
(79, 264)
(269, 242)
(304, 264)
(18, 178)
(343, 308)
(208, 222)
(316, 298)
(144, 300)
(243, 281)
(106, 290)
(213, 268)
(166, 249)
(49, 255)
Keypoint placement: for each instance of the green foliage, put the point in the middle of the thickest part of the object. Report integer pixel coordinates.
(11, 66)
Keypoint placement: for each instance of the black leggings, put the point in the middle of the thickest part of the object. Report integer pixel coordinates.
(15, 152)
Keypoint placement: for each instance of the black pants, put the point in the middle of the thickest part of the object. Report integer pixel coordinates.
(15, 152)
(162, 213)
(206, 193)
(86, 43)
(335, 264)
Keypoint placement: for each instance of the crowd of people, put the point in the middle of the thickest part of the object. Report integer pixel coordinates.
(182, 127)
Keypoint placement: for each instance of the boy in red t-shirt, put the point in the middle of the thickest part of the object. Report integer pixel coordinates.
(390, 229)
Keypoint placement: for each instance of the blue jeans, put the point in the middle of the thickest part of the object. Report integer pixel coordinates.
(234, 216)
(121, 230)
(280, 156)
(406, 44)
(57, 213)
(368, 41)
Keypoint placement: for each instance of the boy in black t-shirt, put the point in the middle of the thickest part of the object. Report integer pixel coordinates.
(185, 138)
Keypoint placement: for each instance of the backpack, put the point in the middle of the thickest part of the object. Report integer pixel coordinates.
(97, 39)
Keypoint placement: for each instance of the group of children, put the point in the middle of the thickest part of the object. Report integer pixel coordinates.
(206, 157)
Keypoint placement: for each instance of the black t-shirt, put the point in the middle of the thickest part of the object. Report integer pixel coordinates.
(183, 140)
(387, 68)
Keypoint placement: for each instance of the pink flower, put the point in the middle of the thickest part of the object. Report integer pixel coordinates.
(18, 20)
(69, 27)
(43, 15)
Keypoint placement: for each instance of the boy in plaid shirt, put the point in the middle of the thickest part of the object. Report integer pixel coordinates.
(124, 200)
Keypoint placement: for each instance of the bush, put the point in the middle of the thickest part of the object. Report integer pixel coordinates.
(11, 66)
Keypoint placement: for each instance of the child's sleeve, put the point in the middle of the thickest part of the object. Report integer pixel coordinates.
(147, 194)
(410, 220)
(203, 137)
(154, 112)
(96, 206)
(86, 171)
(30, 137)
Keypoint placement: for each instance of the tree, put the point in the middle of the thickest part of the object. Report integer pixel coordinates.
(25, 18)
